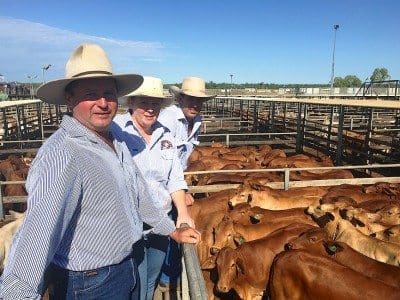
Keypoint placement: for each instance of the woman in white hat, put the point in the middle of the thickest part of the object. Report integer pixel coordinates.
(153, 149)
(184, 121)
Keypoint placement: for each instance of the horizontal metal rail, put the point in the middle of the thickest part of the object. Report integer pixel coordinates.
(295, 184)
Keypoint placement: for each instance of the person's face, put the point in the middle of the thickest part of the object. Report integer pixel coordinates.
(93, 102)
(145, 110)
(191, 106)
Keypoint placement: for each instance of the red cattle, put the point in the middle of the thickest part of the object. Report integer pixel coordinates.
(246, 269)
(316, 241)
(298, 274)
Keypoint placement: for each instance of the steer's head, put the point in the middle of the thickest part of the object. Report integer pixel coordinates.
(229, 267)
(224, 234)
(307, 239)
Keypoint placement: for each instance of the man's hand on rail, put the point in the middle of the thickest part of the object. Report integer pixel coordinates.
(186, 235)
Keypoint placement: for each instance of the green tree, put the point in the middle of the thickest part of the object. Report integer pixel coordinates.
(352, 81)
(338, 82)
(380, 74)
(348, 81)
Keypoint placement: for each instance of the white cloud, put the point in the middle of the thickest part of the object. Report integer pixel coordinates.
(26, 46)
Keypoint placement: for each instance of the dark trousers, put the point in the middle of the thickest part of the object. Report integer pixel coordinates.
(110, 282)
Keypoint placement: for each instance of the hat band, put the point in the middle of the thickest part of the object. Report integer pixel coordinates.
(92, 72)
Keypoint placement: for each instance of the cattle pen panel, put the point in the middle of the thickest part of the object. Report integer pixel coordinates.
(24, 124)
(349, 131)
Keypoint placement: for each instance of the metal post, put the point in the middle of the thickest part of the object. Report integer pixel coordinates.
(197, 286)
(287, 177)
(368, 135)
(18, 122)
(335, 28)
(40, 119)
(284, 116)
(299, 137)
(328, 142)
(339, 147)
(1, 203)
(255, 117)
(231, 83)
(272, 117)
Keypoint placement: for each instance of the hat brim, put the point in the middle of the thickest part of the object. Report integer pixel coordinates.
(53, 92)
(175, 91)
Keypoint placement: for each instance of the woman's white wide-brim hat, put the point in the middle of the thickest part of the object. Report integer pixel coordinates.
(194, 87)
(87, 61)
(151, 87)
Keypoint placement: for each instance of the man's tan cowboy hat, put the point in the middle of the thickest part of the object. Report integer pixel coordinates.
(151, 87)
(87, 61)
(194, 87)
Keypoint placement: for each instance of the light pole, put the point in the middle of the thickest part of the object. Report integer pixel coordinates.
(45, 68)
(335, 28)
(231, 83)
(30, 77)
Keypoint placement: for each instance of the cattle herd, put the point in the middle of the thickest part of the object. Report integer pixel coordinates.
(326, 242)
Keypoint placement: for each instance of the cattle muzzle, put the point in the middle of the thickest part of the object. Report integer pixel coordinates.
(222, 289)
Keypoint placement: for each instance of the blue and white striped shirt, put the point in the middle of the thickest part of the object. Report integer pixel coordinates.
(173, 118)
(82, 210)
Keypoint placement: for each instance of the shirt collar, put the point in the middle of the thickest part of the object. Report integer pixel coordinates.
(181, 116)
(76, 129)
(127, 121)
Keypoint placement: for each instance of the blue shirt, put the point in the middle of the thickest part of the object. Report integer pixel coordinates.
(173, 118)
(158, 161)
(83, 210)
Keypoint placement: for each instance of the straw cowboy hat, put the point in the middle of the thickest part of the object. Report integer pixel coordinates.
(87, 61)
(151, 87)
(192, 86)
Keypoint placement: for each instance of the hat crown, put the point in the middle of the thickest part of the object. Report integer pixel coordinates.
(88, 60)
(193, 84)
(151, 87)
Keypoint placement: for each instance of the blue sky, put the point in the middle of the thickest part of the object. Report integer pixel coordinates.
(257, 41)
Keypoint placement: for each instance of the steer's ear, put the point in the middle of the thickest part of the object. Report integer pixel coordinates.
(255, 219)
(255, 186)
(249, 198)
(332, 247)
(209, 263)
(240, 265)
(356, 222)
(388, 232)
(239, 240)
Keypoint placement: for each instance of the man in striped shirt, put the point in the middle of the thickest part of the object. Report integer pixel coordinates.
(83, 213)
